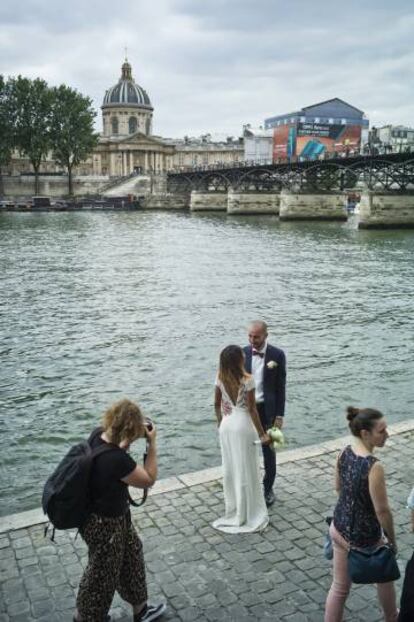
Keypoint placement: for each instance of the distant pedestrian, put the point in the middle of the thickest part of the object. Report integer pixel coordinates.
(407, 594)
(362, 513)
(115, 557)
(267, 364)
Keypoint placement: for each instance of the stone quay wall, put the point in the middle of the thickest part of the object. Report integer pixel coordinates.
(166, 201)
(386, 210)
(54, 186)
(253, 202)
(298, 206)
(208, 201)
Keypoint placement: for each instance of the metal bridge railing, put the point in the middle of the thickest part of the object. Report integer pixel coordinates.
(369, 153)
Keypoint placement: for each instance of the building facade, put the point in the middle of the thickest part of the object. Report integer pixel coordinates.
(127, 144)
(207, 151)
(258, 145)
(392, 138)
(332, 126)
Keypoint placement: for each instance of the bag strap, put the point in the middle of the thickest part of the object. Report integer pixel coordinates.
(136, 504)
(106, 447)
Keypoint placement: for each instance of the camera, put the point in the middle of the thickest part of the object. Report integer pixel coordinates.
(149, 424)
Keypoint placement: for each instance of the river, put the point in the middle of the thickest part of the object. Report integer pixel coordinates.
(97, 306)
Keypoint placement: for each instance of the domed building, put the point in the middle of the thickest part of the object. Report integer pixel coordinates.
(127, 144)
(126, 107)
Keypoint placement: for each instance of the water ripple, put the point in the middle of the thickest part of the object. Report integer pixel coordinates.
(95, 307)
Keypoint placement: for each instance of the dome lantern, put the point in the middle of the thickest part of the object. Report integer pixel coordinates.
(126, 92)
(126, 71)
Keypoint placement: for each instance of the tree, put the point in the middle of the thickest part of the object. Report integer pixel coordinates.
(31, 101)
(6, 129)
(72, 132)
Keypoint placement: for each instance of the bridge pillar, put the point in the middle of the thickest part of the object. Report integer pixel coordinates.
(253, 202)
(208, 201)
(166, 201)
(386, 210)
(302, 206)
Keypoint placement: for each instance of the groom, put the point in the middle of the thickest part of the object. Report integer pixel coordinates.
(267, 364)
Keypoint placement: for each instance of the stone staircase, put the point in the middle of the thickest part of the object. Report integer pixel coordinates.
(136, 184)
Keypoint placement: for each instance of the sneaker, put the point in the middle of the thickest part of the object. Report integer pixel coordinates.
(150, 612)
(270, 498)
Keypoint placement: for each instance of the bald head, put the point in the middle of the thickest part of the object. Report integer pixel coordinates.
(258, 325)
(257, 332)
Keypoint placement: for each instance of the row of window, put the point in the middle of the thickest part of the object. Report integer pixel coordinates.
(402, 134)
(327, 120)
(204, 160)
(132, 125)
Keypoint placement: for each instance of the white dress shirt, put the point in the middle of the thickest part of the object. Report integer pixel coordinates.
(258, 363)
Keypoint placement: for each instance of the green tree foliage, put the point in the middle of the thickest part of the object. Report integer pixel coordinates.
(72, 134)
(31, 102)
(6, 129)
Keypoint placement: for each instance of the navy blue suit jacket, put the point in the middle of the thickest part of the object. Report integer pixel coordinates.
(274, 381)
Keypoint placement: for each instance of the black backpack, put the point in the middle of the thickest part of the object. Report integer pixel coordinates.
(66, 499)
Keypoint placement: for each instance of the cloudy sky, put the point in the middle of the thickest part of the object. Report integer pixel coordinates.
(214, 65)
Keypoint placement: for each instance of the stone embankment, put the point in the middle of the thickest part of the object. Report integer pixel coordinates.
(386, 210)
(377, 209)
(205, 575)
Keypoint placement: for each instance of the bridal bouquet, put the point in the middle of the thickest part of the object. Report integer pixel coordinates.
(278, 439)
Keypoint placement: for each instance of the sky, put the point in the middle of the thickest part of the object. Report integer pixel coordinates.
(212, 66)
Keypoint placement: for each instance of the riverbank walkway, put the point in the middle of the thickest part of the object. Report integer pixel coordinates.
(205, 575)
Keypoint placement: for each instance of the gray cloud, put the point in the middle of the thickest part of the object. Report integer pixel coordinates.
(213, 66)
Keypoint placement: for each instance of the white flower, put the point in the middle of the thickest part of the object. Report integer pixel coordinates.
(271, 365)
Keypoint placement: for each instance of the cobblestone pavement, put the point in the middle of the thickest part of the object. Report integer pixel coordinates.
(205, 575)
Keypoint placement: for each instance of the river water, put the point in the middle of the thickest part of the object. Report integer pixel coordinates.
(97, 306)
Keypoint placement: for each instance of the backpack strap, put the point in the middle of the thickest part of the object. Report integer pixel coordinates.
(97, 451)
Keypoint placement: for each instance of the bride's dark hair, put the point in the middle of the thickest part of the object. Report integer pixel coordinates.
(231, 370)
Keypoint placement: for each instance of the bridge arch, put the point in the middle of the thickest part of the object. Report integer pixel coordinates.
(259, 180)
(323, 177)
(213, 181)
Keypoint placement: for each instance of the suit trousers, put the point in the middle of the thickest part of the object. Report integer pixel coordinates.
(269, 454)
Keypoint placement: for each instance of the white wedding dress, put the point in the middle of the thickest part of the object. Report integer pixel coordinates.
(245, 508)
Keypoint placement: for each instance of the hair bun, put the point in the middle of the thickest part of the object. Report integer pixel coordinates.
(351, 412)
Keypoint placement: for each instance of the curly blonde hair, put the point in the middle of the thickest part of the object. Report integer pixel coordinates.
(123, 421)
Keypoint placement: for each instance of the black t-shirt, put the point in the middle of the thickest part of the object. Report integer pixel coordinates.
(109, 495)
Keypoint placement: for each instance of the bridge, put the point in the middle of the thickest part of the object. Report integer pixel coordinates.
(307, 190)
(393, 172)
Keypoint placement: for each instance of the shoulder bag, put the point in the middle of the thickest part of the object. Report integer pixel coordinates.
(375, 564)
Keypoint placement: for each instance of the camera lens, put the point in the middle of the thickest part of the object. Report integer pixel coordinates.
(148, 424)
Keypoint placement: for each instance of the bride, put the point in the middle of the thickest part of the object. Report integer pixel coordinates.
(239, 430)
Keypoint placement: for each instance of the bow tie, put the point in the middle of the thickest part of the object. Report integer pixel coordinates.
(256, 353)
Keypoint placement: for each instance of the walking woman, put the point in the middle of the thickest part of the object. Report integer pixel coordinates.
(115, 558)
(362, 514)
(239, 429)
(407, 593)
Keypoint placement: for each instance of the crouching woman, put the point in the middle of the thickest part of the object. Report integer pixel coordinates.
(115, 557)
